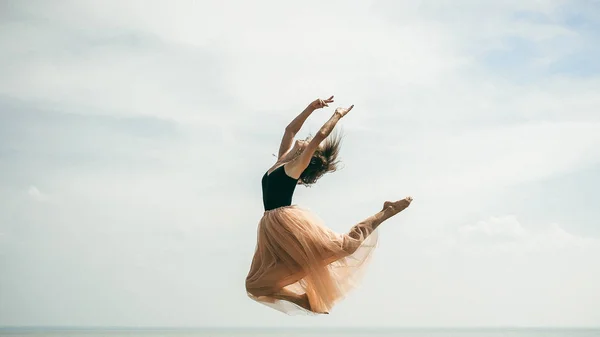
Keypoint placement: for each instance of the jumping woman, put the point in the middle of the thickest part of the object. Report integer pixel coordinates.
(300, 265)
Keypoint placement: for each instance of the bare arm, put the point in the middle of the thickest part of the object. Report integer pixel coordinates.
(296, 167)
(292, 129)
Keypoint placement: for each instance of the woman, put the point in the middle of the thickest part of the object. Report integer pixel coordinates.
(299, 264)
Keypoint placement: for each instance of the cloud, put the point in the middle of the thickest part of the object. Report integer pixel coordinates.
(507, 234)
(106, 70)
(506, 227)
(35, 194)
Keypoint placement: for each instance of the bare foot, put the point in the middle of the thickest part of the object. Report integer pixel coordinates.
(398, 206)
(305, 303)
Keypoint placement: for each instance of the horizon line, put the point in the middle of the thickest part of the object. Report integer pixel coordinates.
(304, 327)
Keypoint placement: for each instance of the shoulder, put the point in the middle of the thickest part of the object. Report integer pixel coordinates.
(275, 166)
(293, 169)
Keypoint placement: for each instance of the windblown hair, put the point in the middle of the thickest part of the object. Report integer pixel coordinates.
(324, 160)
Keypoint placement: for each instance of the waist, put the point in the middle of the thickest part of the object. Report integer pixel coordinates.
(279, 209)
(274, 202)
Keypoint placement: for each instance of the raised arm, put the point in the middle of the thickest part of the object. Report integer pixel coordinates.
(292, 129)
(296, 167)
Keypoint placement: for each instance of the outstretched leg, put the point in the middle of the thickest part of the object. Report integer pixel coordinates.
(351, 241)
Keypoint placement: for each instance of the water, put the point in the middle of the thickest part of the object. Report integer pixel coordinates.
(295, 332)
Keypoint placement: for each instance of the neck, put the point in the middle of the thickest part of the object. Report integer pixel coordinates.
(290, 155)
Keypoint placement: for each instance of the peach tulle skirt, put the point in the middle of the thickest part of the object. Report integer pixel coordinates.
(302, 267)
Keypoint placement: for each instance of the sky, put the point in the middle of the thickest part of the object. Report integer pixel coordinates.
(134, 134)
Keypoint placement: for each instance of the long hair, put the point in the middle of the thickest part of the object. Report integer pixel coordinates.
(324, 160)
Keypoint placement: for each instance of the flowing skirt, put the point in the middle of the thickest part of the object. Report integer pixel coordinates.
(302, 267)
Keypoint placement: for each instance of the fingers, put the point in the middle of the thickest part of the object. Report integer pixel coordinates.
(320, 103)
(324, 103)
(346, 111)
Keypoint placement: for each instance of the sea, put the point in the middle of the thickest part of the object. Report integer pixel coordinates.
(303, 332)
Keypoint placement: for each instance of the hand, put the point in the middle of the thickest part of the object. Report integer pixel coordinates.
(343, 111)
(321, 103)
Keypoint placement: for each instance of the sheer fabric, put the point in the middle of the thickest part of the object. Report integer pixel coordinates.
(302, 267)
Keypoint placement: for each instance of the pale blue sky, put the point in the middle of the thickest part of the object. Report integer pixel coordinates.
(133, 136)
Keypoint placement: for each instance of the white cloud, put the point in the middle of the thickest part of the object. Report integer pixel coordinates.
(503, 156)
(35, 194)
(505, 227)
(507, 234)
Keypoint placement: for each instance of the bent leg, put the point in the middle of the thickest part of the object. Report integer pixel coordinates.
(273, 288)
(299, 300)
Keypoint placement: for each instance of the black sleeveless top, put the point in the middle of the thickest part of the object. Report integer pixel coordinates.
(278, 189)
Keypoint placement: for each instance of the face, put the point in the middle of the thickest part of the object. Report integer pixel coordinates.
(302, 143)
